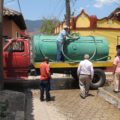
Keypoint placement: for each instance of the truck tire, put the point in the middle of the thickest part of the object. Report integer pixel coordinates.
(99, 79)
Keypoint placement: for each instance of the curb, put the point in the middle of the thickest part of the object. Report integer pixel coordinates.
(107, 94)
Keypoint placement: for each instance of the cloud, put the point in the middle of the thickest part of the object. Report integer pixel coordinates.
(101, 3)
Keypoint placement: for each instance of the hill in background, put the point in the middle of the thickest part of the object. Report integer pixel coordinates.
(33, 25)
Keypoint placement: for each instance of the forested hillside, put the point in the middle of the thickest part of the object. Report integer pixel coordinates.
(33, 25)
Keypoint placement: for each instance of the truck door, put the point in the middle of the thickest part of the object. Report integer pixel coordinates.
(17, 59)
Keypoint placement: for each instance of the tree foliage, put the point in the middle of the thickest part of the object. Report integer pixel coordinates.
(48, 26)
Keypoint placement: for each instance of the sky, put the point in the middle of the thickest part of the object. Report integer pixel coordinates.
(38, 9)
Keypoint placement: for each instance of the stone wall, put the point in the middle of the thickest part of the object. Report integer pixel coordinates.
(12, 105)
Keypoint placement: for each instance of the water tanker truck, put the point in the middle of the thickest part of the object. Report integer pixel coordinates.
(19, 53)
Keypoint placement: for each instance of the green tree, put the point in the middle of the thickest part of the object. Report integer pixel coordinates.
(48, 26)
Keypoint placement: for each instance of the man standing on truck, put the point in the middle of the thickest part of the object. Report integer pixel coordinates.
(45, 77)
(60, 41)
(85, 73)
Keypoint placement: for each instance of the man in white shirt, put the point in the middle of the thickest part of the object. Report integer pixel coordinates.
(85, 73)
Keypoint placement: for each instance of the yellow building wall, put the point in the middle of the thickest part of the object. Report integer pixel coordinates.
(108, 23)
(111, 36)
(105, 27)
(61, 27)
(83, 21)
(109, 31)
(115, 24)
(58, 29)
(103, 23)
(64, 23)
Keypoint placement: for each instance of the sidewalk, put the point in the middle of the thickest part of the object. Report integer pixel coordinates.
(107, 93)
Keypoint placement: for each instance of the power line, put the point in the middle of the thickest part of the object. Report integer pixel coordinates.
(61, 11)
(17, 2)
(19, 6)
(73, 2)
(117, 3)
(73, 6)
(59, 5)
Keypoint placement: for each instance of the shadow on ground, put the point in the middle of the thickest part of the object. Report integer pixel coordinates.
(56, 84)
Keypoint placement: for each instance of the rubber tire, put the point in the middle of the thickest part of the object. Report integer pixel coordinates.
(99, 79)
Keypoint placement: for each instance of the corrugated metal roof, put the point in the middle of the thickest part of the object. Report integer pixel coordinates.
(16, 16)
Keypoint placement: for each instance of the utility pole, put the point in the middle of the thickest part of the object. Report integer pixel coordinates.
(68, 13)
(1, 44)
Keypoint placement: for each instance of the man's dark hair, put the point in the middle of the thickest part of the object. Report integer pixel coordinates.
(46, 59)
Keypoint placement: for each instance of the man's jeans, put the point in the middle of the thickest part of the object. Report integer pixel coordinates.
(60, 56)
(44, 86)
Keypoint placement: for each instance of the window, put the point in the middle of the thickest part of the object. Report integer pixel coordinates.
(16, 47)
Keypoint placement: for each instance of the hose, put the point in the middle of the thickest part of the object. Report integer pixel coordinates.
(94, 53)
(70, 60)
(71, 36)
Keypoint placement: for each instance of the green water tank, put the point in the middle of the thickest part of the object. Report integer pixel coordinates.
(73, 49)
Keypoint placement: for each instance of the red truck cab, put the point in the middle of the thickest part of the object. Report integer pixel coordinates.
(16, 58)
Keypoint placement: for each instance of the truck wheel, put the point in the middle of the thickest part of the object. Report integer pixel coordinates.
(99, 79)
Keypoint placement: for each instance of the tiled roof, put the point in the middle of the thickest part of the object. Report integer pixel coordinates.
(16, 16)
(115, 14)
(10, 12)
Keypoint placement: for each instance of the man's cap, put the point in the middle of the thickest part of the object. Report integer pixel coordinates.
(65, 27)
(86, 56)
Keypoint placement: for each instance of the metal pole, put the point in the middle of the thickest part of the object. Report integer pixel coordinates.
(1, 45)
(68, 13)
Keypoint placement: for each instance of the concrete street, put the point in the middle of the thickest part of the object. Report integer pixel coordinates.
(68, 105)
